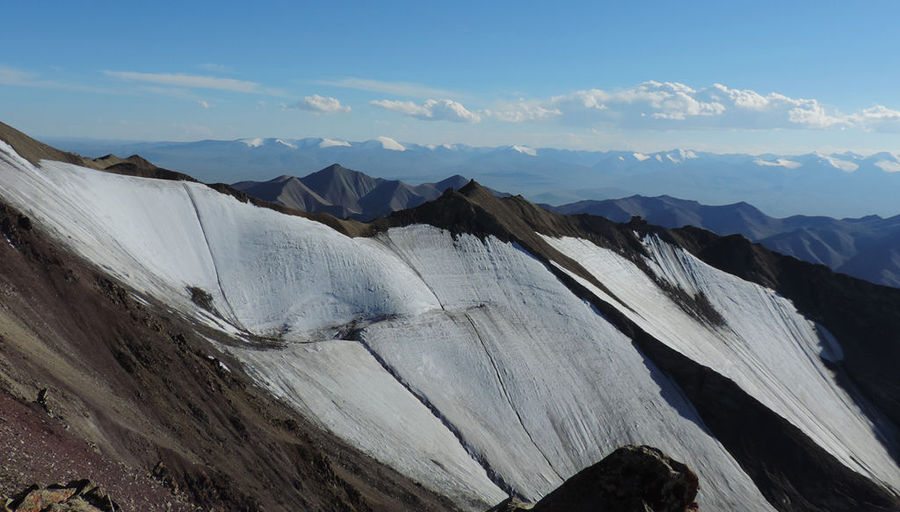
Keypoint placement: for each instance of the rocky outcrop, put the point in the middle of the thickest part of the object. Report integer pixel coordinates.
(630, 479)
(76, 496)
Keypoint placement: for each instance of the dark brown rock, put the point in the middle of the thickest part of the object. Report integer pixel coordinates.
(631, 479)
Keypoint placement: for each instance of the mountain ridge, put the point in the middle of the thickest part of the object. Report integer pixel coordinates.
(866, 247)
(346, 193)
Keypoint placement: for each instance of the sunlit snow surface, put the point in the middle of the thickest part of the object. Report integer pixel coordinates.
(471, 354)
(766, 346)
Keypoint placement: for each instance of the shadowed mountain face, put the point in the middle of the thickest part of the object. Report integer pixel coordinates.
(867, 247)
(346, 193)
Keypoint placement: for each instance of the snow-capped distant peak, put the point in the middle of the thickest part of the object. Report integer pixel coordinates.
(658, 157)
(389, 143)
(680, 155)
(888, 166)
(781, 162)
(432, 147)
(327, 143)
(253, 143)
(640, 157)
(525, 150)
(285, 143)
(843, 165)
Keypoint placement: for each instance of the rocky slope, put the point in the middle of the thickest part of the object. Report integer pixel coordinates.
(345, 193)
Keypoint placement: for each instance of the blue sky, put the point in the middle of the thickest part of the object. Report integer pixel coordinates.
(757, 77)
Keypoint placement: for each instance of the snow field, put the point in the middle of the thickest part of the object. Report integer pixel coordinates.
(767, 347)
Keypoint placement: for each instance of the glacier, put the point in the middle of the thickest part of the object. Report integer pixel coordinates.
(462, 362)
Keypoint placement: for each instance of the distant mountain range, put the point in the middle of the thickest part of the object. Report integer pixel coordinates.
(867, 247)
(346, 193)
(837, 185)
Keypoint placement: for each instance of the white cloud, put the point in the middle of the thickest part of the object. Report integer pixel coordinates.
(189, 81)
(13, 76)
(395, 88)
(321, 104)
(22, 78)
(878, 118)
(203, 103)
(673, 105)
(523, 111)
(431, 110)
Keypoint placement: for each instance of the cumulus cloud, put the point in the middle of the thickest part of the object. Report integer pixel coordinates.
(878, 118)
(431, 110)
(321, 104)
(523, 111)
(666, 105)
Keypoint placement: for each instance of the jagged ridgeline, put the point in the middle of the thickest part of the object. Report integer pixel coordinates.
(448, 356)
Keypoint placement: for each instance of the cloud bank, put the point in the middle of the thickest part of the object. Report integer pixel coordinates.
(673, 105)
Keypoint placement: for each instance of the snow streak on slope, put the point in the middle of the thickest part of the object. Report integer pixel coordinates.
(339, 385)
(765, 346)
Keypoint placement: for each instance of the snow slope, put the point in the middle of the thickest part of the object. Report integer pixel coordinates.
(339, 385)
(766, 346)
(472, 362)
(533, 378)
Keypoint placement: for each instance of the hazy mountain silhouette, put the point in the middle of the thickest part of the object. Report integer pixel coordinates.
(867, 247)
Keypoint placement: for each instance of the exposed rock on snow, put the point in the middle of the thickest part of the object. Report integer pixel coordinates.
(629, 479)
